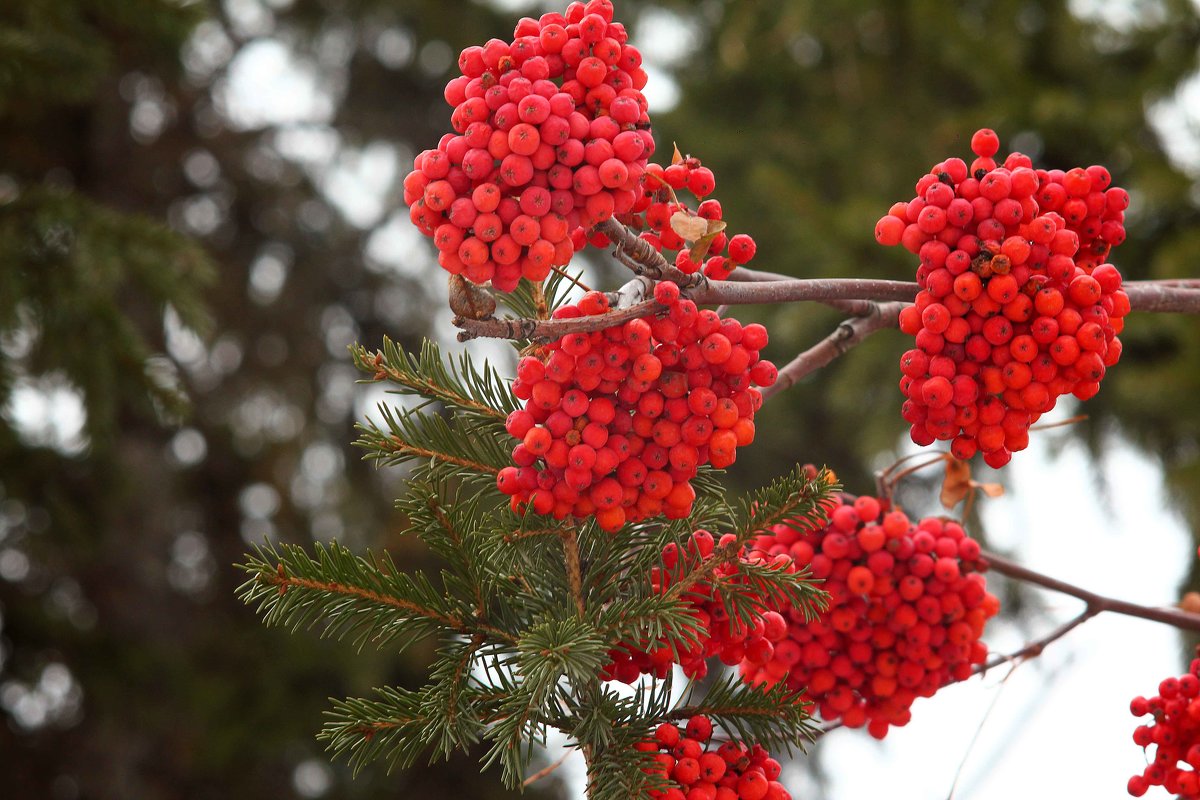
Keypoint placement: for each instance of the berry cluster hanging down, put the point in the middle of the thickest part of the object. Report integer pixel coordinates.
(1174, 732)
(907, 605)
(1017, 306)
(551, 137)
(617, 422)
(702, 769)
(716, 634)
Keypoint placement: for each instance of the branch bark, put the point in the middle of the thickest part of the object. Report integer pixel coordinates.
(1168, 616)
(847, 335)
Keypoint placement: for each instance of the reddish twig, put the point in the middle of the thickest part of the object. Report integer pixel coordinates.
(1034, 649)
(544, 771)
(1168, 616)
(848, 334)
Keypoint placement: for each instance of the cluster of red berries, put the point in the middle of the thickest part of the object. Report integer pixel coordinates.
(716, 634)
(1016, 306)
(617, 421)
(907, 605)
(703, 770)
(551, 137)
(1175, 733)
(658, 203)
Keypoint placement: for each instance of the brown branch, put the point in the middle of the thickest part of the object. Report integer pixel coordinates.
(847, 335)
(550, 329)
(796, 290)
(851, 295)
(642, 259)
(631, 293)
(1162, 297)
(1168, 616)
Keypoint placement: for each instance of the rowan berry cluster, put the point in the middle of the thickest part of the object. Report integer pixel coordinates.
(702, 769)
(907, 605)
(617, 421)
(1175, 734)
(551, 137)
(696, 238)
(714, 633)
(1016, 306)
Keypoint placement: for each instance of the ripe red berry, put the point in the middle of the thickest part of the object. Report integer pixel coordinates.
(1016, 307)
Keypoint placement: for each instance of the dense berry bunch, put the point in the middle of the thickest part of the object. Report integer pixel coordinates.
(617, 421)
(551, 137)
(701, 769)
(715, 633)
(1016, 306)
(907, 605)
(693, 239)
(1175, 733)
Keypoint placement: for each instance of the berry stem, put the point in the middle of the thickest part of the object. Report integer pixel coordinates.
(637, 254)
(1096, 602)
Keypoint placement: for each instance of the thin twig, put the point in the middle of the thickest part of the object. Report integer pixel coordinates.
(544, 771)
(571, 278)
(1034, 649)
(846, 336)
(983, 721)
(1175, 617)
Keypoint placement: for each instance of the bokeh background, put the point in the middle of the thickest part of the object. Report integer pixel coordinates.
(200, 209)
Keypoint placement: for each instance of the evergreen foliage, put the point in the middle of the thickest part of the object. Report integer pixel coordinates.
(526, 610)
(70, 257)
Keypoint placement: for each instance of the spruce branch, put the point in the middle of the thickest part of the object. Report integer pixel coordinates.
(447, 520)
(775, 717)
(521, 726)
(366, 599)
(528, 299)
(793, 499)
(759, 587)
(396, 725)
(415, 435)
(458, 383)
(570, 648)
